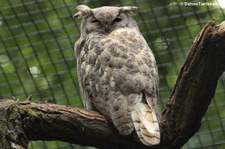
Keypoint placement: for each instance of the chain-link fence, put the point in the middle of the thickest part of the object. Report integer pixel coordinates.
(36, 53)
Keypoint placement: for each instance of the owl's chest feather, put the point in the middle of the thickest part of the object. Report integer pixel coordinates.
(118, 44)
(121, 61)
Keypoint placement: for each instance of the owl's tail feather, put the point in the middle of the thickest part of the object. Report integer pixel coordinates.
(146, 124)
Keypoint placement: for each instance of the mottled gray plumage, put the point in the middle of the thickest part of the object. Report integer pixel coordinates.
(117, 71)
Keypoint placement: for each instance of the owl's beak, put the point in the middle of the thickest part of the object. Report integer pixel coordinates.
(107, 27)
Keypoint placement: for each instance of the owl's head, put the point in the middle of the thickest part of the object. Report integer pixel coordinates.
(105, 19)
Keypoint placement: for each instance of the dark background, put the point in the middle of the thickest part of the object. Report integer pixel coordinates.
(36, 54)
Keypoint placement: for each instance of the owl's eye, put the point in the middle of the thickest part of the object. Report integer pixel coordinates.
(94, 21)
(117, 19)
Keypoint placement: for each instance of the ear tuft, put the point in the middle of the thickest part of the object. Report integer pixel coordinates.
(83, 10)
(129, 9)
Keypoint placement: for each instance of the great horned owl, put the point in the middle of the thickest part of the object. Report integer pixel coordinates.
(117, 71)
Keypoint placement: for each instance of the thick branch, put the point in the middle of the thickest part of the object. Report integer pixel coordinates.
(44, 121)
(195, 86)
(21, 122)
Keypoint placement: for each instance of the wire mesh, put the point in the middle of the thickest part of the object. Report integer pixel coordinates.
(36, 53)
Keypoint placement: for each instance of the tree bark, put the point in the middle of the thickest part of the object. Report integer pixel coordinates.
(21, 122)
(195, 86)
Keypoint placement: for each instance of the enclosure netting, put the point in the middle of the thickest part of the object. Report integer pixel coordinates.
(36, 54)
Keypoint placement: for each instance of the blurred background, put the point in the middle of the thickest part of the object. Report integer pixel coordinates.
(36, 54)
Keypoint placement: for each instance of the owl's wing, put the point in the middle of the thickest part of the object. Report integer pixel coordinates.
(152, 98)
(146, 114)
(80, 51)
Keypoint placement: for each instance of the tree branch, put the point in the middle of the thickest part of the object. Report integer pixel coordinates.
(195, 86)
(21, 122)
(44, 121)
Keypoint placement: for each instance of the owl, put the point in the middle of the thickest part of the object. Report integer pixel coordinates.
(117, 71)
